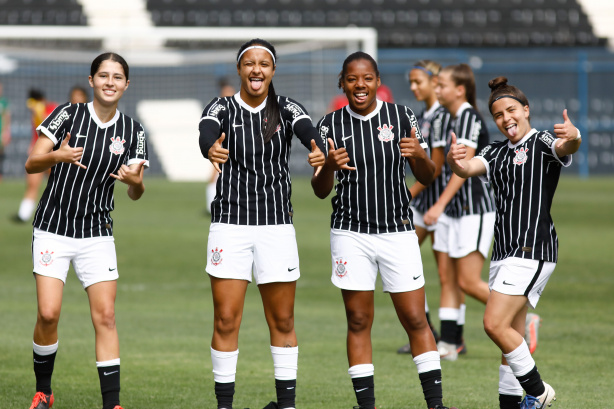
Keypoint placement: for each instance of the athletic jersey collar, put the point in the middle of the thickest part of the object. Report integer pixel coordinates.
(90, 107)
(366, 117)
(527, 136)
(244, 105)
(465, 105)
(432, 110)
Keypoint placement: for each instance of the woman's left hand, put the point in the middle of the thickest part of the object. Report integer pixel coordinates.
(410, 147)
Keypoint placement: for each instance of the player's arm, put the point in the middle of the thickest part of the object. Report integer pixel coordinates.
(6, 128)
(463, 165)
(421, 165)
(438, 157)
(211, 141)
(308, 135)
(44, 157)
(569, 137)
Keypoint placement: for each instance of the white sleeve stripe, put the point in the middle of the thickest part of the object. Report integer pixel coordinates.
(138, 160)
(47, 133)
(484, 178)
(424, 145)
(300, 117)
(439, 144)
(567, 162)
(468, 143)
(210, 117)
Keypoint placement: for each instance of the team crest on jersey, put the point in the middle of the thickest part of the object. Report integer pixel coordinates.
(341, 269)
(521, 156)
(216, 257)
(58, 120)
(117, 145)
(276, 129)
(46, 258)
(385, 133)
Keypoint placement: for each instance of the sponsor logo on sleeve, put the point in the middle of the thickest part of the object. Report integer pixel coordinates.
(216, 109)
(58, 120)
(140, 147)
(477, 127)
(547, 138)
(485, 150)
(294, 109)
(324, 133)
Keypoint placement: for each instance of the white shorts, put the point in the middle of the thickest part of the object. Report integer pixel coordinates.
(419, 220)
(520, 276)
(462, 236)
(234, 251)
(93, 259)
(356, 258)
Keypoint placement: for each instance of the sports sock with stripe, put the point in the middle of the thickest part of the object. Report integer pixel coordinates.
(364, 387)
(44, 360)
(108, 373)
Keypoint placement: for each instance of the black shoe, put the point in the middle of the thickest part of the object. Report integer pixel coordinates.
(443, 407)
(271, 405)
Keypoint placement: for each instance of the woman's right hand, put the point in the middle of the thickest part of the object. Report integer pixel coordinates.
(70, 155)
(217, 154)
(337, 158)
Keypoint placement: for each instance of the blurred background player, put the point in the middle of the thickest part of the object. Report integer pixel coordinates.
(5, 127)
(226, 90)
(78, 95)
(423, 80)
(464, 212)
(40, 109)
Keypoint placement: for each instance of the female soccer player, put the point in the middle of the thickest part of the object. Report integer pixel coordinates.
(423, 79)
(372, 229)
(247, 139)
(88, 148)
(524, 172)
(464, 212)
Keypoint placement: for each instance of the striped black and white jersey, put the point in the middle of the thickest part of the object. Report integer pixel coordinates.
(77, 202)
(524, 177)
(433, 123)
(374, 198)
(474, 196)
(254, 187)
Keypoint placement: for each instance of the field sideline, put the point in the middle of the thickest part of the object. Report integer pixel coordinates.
(165, 321)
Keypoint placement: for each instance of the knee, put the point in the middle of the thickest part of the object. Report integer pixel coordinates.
(466, 285)
(226, 323)
(48, 317)
(417, 321)
(284, 325)
(492, 327)
(106, 318)
(359, 321)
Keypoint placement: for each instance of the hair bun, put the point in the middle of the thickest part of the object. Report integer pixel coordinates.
(497, 82)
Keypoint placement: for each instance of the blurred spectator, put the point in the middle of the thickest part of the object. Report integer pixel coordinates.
(78, 94)
(5, 127)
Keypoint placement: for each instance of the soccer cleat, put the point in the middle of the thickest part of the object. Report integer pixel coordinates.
(545, 399)
(358, 407)
(532, 324)
(443, 407)
(461, 349)
(118, 407)
(42, 401)
(271, 405)
(447, 351)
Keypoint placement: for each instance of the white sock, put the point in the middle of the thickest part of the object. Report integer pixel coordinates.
(361, 371)
(285, 362)
(111, 362)
(25, 209)
(428, 361)
(461, 315)
(224, 365)
(520, 360)
(508, 383)
(44, 350)
(449, 314)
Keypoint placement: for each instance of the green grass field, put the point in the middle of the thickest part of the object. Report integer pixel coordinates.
(164, 314)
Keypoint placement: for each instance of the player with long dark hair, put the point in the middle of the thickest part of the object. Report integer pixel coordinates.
(370, 143)
(88, 147)
(464, 211)
(524, 172)
(247, 138)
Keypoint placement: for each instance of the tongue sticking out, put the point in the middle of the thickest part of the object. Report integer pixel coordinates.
(256, 85)
(513, 131)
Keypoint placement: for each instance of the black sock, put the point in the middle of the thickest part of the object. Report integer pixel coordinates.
(365, 392)
(224, 392)
(448, 331)
(431, 387)
(509, 401)
(532, 383)
(459, 334)
(286, 393)
(43, 369)
(428, 319)
(109, 385)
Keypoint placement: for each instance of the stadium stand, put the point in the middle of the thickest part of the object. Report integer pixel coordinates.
(400, 23)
